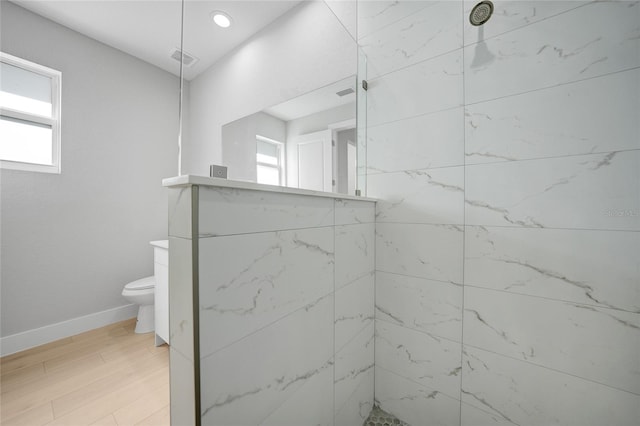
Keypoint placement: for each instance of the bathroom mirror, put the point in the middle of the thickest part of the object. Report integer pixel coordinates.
(306, 142)
(273, 95)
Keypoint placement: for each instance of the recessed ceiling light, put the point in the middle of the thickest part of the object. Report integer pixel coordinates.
(221, 19)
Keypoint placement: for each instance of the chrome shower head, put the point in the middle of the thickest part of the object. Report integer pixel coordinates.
(481, 13)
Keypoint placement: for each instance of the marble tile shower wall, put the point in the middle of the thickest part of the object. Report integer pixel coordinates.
(506, 159)
(286, 307)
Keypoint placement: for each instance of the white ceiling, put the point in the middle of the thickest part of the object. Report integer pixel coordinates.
(150, 29)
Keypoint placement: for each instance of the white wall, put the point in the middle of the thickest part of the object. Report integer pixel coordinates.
(70, 242)
(507, 163)
(239, 143)
(305, 49)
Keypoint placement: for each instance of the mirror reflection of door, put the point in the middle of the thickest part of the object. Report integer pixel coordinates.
(344, 156)
(352, 167)
(315, 160)
(327, 159)
(345, 161)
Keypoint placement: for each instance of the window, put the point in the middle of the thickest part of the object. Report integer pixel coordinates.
(270, 161)
(29, 116)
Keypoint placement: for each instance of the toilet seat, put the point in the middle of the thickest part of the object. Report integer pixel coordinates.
(142, 293)
(141, 284)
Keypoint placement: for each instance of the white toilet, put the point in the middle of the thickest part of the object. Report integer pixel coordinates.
(141, 292)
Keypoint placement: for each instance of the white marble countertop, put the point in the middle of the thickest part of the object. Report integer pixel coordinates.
(185, 180)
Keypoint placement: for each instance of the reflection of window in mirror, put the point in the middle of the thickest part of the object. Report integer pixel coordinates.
(269, 161)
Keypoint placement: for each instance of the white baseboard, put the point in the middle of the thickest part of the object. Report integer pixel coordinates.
(39, 336)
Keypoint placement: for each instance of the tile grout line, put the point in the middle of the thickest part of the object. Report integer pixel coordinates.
(543, 88)
(409, 379)
(565, 83)
(306, 306)
(480, 287)
(555, 228)
(431, 335)
(273, 231)
(496, 162)
(554, 370)
(464, 218)
(528, 24)
(463, 46)
(392, 22)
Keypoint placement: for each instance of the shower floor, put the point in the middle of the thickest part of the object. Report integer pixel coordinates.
(382, 418)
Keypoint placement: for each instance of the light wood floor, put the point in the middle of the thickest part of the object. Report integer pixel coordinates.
(108, 376)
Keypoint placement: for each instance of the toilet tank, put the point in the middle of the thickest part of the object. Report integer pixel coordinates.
(161, 272)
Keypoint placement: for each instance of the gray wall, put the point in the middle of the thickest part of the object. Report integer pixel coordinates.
(71, 241)
(239, 143)
(507, 162)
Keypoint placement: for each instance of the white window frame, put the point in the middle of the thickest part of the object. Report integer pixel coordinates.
(280, 166)
(53, 121)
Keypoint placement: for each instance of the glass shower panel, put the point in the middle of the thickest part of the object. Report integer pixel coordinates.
(280, 335)
(505, 160)
(362, 123)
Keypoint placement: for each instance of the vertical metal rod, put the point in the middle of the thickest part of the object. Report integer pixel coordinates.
(181, 89)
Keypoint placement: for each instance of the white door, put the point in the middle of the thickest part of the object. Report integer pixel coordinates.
(315, 161)
(352, 166)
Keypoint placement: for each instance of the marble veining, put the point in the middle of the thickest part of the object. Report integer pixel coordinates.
(413, 403)
(354, 309)
(376, 15)
(547, 265)
(424, 34)
(312, 401)
(286, 305)
(181, 296)
(228, 211)
(429, 86)
(425, 251)
(424, 358)
(349, 212)
(568, 192)
(509, 15)
(429, 306)
(518, 393)
(416, 143)
(262, 380)
(516, 128)
(472, 416)
(354, 248)
(594, 343)
(357, 408)
(258, 280)
(353, 363)
(180, 212)
(423, 196)
(574, 51)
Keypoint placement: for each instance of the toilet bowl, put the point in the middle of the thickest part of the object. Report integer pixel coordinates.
(141, 292)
